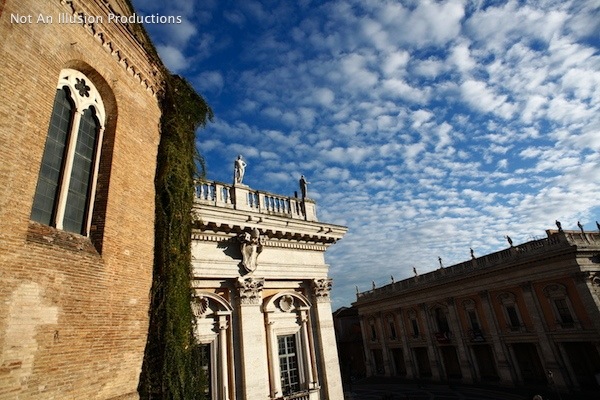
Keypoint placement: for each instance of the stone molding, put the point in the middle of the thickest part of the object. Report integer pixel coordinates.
(148, 78)
(321, 289)
(250, 290)
(265, 242)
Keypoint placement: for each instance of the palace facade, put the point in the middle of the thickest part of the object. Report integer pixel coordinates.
(264, 322)
(526, 315)
(79, 132)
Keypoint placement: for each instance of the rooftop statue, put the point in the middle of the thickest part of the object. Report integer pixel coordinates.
(303, 186)
(239, 168)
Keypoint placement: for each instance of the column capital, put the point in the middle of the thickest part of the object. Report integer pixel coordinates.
(321, 289)
(250, 290)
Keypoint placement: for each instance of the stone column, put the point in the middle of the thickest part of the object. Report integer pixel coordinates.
(465, 364)
(502, 361)
(255, 368)
(330, 365)
(222, 358)
(408, 356)
(310, 370)
(434, 356)
(549, 359)
(587, 285)
(366, 340)
(380, 326)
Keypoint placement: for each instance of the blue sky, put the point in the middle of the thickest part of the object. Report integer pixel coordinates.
(426, 127)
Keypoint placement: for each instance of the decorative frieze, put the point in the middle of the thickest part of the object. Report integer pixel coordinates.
(93, 27)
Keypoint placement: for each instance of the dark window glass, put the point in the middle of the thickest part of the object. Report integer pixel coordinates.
(288, 364)
(81, 174)
(46, 192)
(415, 327)
(563, 311)
(373, 333)
(392, 330)
(442, 321)
(513, 317)
(474, 321)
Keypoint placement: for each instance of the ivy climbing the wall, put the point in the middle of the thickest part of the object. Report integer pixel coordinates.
(169, 370)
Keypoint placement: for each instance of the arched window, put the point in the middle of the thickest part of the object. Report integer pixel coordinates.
(64, 194)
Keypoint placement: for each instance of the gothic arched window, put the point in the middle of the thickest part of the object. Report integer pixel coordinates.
(64, 194)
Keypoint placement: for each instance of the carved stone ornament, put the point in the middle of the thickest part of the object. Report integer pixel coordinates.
(250, 290)
(199, 306)
(251, 245)
(321, 289)
(595, 279)
(286, 303)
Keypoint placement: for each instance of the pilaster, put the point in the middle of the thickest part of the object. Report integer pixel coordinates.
(330, 366)
(465, 364)
(548, 358)
(502, 364)
(255, 369)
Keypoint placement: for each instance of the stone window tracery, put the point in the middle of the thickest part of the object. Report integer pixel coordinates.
(65, 191)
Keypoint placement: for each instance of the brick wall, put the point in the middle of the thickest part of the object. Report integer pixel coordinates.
(74, 314)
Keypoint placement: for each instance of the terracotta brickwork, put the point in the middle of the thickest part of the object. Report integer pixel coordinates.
(73, 308)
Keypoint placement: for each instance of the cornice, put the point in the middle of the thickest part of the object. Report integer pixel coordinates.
(279, 243)
(119, 41)
(280, 231)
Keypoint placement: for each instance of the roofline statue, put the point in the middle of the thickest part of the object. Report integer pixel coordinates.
(239, 169)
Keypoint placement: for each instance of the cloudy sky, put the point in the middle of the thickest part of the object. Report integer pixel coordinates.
(426, 127)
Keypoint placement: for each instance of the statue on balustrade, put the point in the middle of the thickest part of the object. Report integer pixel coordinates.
(239, 168)
(251, 246)
(303, 186)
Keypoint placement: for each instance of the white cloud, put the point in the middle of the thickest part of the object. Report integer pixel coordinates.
(174, 59)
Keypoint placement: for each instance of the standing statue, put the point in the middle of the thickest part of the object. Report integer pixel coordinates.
(239, 168)
(440, 261)
(472, 253)
(580, 227)
(303, 186)
(598, 226)
(509, 240)
(558, 225)
(251, 247)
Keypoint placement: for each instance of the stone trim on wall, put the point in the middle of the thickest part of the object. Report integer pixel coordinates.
(148, 78)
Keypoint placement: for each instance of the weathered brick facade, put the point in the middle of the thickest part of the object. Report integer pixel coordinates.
(74, 308)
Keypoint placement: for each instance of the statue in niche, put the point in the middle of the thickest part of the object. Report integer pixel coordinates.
(303, 186)
(239, 168)
(251, 245)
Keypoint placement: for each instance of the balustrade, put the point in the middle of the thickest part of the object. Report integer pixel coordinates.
(222, 195)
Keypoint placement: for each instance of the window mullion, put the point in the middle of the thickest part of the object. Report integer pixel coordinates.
(90, 204)
(65, 179)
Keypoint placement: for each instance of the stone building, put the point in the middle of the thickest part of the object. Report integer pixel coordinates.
(350, 344)
(264, 320)
(526, 315)
(79, 130)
